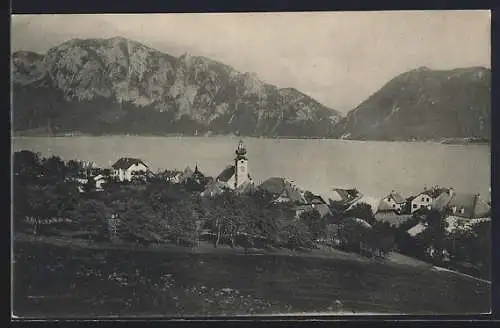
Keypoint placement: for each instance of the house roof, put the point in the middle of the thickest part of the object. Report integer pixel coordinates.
(417, 229)
(463, 201)
(314, 199)
(226, 174)
(397, 197)
(274, 185)
(282, 187)
(213, 188)
(126, 162)
(434, 193)
(357, 221)
(322, 209)
(197, 174)
(346, 194)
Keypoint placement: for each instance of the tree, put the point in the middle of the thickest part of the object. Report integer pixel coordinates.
(54, 169)
(315, 224)
(361, 211)
(296, 235)
(91, 216)
(74, 168)
(381, 238)
(435, 234)
(352, 234)
(27, 167)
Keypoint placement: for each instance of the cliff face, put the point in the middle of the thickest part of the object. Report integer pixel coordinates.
(424, 104)
(121, 86)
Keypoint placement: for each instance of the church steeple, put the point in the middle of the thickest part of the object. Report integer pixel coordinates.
(241, 151)
(241, 165)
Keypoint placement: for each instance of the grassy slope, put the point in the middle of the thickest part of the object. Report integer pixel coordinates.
(60, 281)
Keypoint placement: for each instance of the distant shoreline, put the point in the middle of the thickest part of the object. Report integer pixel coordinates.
(445, 141)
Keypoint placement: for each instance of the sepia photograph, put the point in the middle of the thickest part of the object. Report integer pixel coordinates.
(195, 165)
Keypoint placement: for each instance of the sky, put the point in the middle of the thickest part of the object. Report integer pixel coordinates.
(338, 58)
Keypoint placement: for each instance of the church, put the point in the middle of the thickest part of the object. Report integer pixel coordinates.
(236, 176)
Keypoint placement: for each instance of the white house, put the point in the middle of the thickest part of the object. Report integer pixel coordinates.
(422, 200)
(393, 201)
(125, 167)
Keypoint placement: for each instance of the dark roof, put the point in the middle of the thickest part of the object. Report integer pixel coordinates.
(343, 194)
(213, 188)
(126, 162)
(281, 187)
(347, 195)
(197, 174)
(226, 174)
(274, 185)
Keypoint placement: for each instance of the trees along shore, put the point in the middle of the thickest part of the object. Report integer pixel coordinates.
(157, 211)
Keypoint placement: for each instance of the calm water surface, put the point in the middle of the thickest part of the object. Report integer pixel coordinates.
(373, 167)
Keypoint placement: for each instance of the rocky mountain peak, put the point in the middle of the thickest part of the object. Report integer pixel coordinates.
(123, 86)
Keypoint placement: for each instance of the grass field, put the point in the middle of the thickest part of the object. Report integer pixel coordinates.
(59, 281)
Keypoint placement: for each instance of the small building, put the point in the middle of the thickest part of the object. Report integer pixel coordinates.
(125, 167)
(393, 201)
(99, 181)
(422, 200)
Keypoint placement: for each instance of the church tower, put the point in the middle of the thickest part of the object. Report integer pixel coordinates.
(241, 166)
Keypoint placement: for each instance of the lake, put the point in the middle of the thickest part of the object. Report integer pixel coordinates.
(374, 167)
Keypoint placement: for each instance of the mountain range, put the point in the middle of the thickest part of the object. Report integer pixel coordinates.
(119, 86)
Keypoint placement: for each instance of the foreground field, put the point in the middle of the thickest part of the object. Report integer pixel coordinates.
(57, 281)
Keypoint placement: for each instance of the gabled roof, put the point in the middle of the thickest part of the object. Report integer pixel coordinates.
(396, 197)
(282, 187)
(314, 199)
(213, 188)
(433, 193)
(126, 162)
(463, 201)
(274, 185)
(197, 174)
(226, 174)
(417, 229)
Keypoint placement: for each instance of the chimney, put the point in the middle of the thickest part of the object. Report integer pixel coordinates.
(451, 191)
